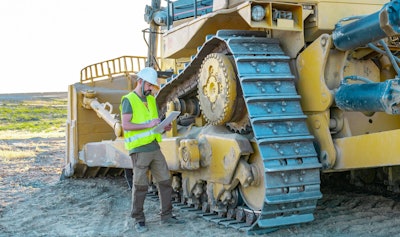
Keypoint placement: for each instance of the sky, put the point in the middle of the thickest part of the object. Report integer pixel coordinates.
(44, 44)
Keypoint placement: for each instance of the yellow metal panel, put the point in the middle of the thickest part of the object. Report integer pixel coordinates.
(183, 40)
(106, 154)
(360, 124)
(319, 127)
(226, 154)
(71, 139)
(89, 127)
(189, 154)
(295, 24)
(327, 18)
(285, 23)
(170, 149)
(186, 35)
(315, 96)
(367, 151)
(225, 149)
(292, 42)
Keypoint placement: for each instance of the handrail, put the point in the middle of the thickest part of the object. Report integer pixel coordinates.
(109, 68)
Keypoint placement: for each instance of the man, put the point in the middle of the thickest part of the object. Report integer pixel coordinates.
(139, 115)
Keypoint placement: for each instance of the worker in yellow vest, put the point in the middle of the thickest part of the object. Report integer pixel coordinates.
(139, 116)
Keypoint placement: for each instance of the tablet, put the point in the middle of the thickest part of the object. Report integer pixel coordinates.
(171, 117)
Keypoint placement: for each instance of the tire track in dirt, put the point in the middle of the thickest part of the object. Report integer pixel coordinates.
(100, 207)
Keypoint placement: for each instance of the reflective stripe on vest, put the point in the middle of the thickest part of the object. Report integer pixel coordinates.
(138, 136)
(141, 114)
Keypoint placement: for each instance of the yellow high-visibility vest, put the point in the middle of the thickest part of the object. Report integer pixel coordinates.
(141, 114)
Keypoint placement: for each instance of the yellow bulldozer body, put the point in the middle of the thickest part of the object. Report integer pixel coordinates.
(269, 101)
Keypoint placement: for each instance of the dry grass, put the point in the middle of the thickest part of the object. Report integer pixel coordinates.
(22, 144)
(28, 119)
(7, 135)
(33, 114)
(6, 153)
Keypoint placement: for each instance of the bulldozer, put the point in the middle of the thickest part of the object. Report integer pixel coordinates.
(271, 95)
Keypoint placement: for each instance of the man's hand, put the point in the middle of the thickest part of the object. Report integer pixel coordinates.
(153, 123)
(168, 127)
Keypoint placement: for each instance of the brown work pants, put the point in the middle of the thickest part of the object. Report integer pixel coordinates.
(155, 162)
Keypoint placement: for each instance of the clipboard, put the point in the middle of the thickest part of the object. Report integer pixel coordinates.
(171, 117)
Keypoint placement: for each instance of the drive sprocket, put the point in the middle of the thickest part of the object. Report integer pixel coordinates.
(217, 89)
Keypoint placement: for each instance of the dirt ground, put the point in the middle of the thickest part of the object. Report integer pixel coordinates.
(34, 202)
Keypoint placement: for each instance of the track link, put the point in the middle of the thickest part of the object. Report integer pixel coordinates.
(291, 166)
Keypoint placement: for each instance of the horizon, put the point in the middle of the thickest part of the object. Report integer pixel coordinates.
(34, 93)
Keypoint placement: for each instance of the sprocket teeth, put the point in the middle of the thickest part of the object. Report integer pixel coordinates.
(218, 71)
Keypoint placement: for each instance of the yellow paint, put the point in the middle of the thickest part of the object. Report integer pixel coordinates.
(226, 153)
(225, 149)
(367, 151)
(315, 95)
(189, 154)
(173, 132)
(361, 124)
(319, 127)
(184, 38)
(124, 65)
(170, 149)
(285, 23)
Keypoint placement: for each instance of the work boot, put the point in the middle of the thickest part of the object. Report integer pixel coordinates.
(172, 220)
(140, 227)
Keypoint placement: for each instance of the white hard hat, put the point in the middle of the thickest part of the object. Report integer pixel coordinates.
(149, 74)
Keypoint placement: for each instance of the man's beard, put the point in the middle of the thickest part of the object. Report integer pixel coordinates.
(146, 93)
